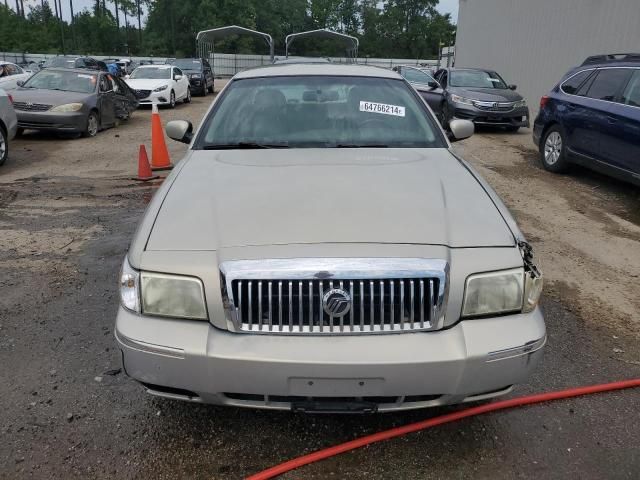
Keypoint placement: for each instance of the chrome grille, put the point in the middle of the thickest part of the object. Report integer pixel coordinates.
(494, 106)
(31, 107)
(400, 301)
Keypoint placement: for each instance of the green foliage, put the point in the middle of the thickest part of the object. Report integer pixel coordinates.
(391, 28)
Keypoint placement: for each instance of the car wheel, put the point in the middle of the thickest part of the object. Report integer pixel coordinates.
(553, 150)
(211, 89)
(204, 90)
(4, 146)
(172, 100)
(188, 97)
(92, 125)
(19, 132)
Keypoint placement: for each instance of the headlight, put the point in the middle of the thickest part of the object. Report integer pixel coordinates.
(172, 296)
(520, 103)
(493, 293)
(130, 287)
(195, 75)
(159, 89)
(67, 107)
(459, 99)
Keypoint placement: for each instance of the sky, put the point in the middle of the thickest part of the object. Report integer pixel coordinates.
(445, 6)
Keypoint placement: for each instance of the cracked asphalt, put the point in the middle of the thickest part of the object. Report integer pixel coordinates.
(68, 210)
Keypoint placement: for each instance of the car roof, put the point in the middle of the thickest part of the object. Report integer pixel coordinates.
(86, 71)
(324, 69)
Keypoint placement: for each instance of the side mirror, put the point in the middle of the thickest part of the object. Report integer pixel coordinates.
(126, 77)
(177, 77)
(433, 84)
(180, 130)
(20, 83)
(512, 87)
(460, 129)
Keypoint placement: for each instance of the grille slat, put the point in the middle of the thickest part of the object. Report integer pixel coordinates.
(31, 107)
(288, 306)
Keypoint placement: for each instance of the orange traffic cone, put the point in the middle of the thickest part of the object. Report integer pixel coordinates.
(159, 153)
(144, 169)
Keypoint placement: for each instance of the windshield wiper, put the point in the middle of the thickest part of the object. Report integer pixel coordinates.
(243, 145)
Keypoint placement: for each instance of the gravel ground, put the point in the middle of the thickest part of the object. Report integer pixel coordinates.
(67, 212)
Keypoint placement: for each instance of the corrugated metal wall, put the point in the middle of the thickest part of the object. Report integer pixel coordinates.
(532, 43)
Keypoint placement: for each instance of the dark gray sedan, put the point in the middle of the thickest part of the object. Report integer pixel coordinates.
(72, 101)
(483, 97)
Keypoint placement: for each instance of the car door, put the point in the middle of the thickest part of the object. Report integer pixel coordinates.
(605, 90)
(106, 101)
(182, 83)
(621, 139)
(208, 73)
(573, 110)
(420, 81)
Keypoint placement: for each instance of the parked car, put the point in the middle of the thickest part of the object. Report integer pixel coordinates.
(427, 86)
(75, 62)
(483, 97)
(72, 101)
(199, 72)
(8, 124)
(11, 74)
(418, 290)
(159, 84)
(592, 117)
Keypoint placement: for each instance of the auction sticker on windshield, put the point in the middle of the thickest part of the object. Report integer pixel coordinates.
(383, 108)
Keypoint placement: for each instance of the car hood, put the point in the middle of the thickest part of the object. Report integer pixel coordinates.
(308, 196)
(147, 83)
(49, 97)
(487, 94)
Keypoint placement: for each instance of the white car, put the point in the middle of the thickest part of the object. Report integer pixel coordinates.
(159, 84)
(11, 74)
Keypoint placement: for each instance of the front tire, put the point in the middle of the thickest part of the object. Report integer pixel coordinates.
(93, 124)
(553, 150)
(4, 146)
(172, 99)
(211, 88)
(187, 99)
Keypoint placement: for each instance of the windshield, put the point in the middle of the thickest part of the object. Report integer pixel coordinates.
(187, 64)
(152, 72)
(65, 81)
(319, 111)
(475, 78)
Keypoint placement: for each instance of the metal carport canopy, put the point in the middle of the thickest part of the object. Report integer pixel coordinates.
(348, 40)
(222, 32)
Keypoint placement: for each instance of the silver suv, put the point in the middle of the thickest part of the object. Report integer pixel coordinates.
(8, 125)
(321, 248)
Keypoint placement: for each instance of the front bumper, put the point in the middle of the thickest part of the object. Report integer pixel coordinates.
(517, 117)
(197, 84)
(160, 98)
(192, 360)
(72, 122)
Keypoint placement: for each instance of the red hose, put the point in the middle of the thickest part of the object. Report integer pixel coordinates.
(432, 422)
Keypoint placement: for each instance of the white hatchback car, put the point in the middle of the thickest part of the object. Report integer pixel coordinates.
(11, 74)
(159, 84)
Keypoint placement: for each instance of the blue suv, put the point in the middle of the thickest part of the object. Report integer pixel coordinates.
(592, 117)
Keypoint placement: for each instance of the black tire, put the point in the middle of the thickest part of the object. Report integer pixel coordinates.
(172, 99)
(4, 146)
(93, 125)
(203, 92)
(211, 89)
(19, 132)
(187, 99)
(553, 150)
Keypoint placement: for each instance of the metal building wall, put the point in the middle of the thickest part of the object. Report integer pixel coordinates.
(532, 43)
